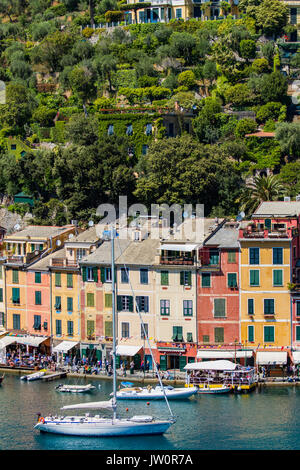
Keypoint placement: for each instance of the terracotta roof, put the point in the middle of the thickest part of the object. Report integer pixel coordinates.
(261, 134)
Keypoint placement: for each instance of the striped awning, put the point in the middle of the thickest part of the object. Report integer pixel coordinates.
(64, 346)
(271, 357)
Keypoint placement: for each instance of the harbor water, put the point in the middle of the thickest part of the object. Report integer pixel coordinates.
(266, 419)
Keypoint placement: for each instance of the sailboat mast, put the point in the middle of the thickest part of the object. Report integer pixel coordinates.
(114, 322)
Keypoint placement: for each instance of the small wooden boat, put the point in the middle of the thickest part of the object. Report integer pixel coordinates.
(75, 388)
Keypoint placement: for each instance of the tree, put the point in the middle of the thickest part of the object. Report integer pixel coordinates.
(290, 177)
(182, 45)
(248, 49)
(261, 188)
(187, 78)
(81, 130)
(288, 136)
(82, 81)
(245, 126)
(271, 16)
(105, 65)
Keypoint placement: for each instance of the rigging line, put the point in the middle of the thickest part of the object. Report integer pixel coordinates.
(146, 335)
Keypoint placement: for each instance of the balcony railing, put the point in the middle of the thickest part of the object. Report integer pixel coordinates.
(179, 260)
(254, 233)
(64, 262)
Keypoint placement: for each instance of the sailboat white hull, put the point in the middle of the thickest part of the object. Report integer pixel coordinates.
(102, 427)
(155, 393)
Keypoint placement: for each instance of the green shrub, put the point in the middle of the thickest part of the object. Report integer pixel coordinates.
(187, 79)
(245, 126)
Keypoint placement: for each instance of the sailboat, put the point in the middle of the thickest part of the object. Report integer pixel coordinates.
(102, 426)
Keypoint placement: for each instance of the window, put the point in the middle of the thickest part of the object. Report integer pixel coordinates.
(164, 278)
(178, 12)
(90, 328)
(144, 330)
(57, 279)
(298, 309)
(70, 304)
(269, 334)
(251, 333)
(214, 256)
(219, 335)
(219, 308)
(124, 276)
(254, 277)
(57, 304)
(125, 303)
(16, 295)
(145, 149)
(205, 280)
(37, 278)
(38, 297)
(250, 306)
(277, 255)
(165, 307)
(108, 329)
(70, 328)
(144, 276)
(16, 321)
(108, 300)
(188, 308)
(186, 278)
(277, 277)
(253, 255)
(15, 276)
(142, 303)
(232, 279)
(297, 332)
(231, 257)
(90, 299)
(2, 323)
(268, 224)
(92, 274)
(177, 333)
(41, 246)
(108, 275)
(269, 307)
(80, 253)
(129, 130)
(110, 130)
(189, 337)
(13, 147)
(1, 294)
(125, 330)
(58, 327)
(69, 280)
(149, 129)
(205, 338)
(37, 322)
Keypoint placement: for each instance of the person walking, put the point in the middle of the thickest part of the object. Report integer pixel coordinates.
(132, 367)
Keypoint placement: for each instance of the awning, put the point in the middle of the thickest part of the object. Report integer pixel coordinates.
(171, 247)
(95, 405)
(7, 340)
(64, 346)
(210, 354)
(296, 357)
(211, 365)
(124, 350)
(270, 357)
(34, 341)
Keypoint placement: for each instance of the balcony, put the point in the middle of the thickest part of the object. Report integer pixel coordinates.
(63, 263)
(177, 260)
(254, 232)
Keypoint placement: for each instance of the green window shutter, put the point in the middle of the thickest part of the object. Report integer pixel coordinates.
(16, 295)
(102, 275)
(251, 333)
(298, 309)
(219, 308)
(254, 277)
(277, 277)
(38, 277)
(277, 255)
(250, 306)
(95, 274)
(130, 303)
(268, 334)
(90, 327)
(69, 280)
(205, 280)
(16, 321)
(163, 362)
(57, 304)
(108, 300)
(70, 328)
(119, 303)
(38, 297)
(58, 279)
(83, 273)
(219, 335)
(231, 257)
(177, 333)
(297, 332)
(58, 327)
(254, 255)
(232, 280)
(189, 337)
(205, 338)
(1, 294)
(269, 307)
(15, 276)
(164, 278)
(189, 278)
(182, 278)
(90, 299)
(108, 329)
(70, 304)
(268, 223)
(182, 362)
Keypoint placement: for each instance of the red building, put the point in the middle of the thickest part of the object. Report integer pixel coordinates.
(218, 290)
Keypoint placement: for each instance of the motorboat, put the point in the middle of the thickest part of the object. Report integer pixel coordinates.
(155, 393)
(36, 376)
(75, 388)
(127, 384)
(102, 426)
(214, 389)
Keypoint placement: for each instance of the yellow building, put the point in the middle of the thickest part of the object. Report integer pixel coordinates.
(265, 273)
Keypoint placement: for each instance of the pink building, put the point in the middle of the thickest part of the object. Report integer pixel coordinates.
(38, 300)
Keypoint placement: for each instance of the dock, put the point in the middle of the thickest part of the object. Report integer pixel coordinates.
(56, 375)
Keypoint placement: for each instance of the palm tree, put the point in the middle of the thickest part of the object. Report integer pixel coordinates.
(261, 188)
